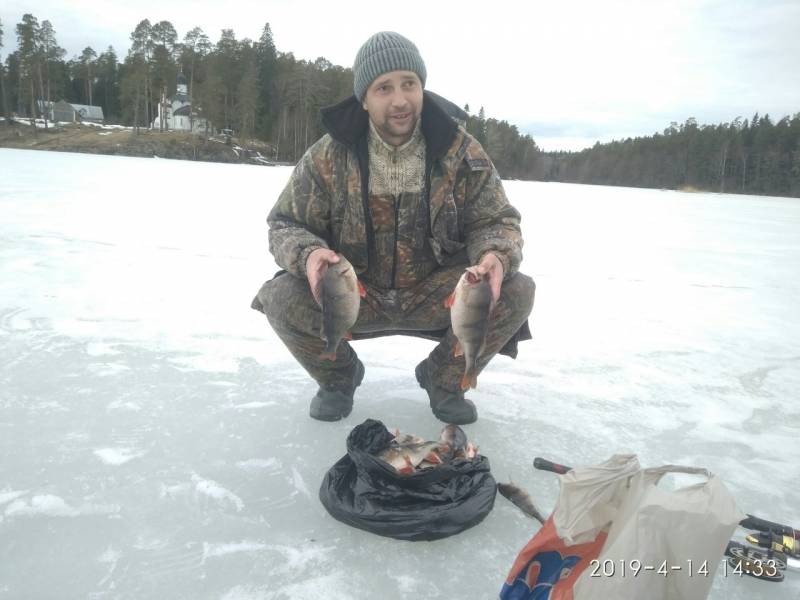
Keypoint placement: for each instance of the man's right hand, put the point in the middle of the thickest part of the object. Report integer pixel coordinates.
(316, 265)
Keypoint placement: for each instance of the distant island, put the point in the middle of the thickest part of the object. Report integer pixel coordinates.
(266, 103)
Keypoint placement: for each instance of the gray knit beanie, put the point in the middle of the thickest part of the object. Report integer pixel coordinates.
(384, 52)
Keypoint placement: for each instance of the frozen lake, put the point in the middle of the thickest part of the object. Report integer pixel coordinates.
(154, 437)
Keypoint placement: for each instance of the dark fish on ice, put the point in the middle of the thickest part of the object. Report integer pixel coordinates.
(521, 499)
(340, 296)
(454, 438)
(471, 305)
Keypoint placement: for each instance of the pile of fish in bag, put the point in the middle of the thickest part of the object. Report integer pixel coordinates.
(409, 453)
(404, 487)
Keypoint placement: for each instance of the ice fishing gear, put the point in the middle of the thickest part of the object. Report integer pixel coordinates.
(776, 542)
(780, 541)
(615, 533)
(746, 560)
(787, 534)
(546, 465)
(758, 524)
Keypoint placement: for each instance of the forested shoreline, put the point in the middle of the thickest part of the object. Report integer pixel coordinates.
(261, 93)
(756, 156)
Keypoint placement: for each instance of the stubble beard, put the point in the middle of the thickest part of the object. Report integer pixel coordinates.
(401, 133)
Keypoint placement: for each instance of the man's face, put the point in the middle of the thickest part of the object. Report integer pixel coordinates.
(394, 104)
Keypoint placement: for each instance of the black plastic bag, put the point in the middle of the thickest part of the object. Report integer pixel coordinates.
(365, 492)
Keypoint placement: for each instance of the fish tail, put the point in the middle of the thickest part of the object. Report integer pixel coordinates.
(469, 380)
(450, 300)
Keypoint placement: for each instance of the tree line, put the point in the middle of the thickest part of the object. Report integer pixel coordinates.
(755, 156)
(244, 85)
(262, 93)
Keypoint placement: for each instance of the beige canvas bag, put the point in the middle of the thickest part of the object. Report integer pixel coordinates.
(661, 545)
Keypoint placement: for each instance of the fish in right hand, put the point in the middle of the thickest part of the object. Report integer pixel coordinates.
(340, 294)
(471, 305)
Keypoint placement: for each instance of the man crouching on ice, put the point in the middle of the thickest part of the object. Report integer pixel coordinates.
(411, 200)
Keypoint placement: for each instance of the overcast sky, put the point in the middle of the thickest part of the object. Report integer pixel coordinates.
(568, 73)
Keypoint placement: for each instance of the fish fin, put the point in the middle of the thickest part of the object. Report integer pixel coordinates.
(469, 380)
(465, 382)
(328, 356)
(472, 450)
(433, 457)
(457, 349)
(450, 300)
(347, 336)
(408, 468)
(362, 291)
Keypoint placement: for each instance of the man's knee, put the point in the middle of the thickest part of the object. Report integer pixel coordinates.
(519, 292)
(287, 299)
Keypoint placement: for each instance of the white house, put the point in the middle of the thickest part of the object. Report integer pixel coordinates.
(176, 112)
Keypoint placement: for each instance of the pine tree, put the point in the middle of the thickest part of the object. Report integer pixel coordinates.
(108, 92)
(87, 60)
(195, 47)
(266, 63)
(142, 46)
(51, 55)
(27, 35)
(225, 64)
(247, 95)
(3, 97)
(163, 71)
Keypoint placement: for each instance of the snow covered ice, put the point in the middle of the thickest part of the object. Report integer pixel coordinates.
(154, 432)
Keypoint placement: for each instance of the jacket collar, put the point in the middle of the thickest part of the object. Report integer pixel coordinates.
(347, 122)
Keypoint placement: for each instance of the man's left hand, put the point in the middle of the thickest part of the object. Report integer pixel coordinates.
(490, 265)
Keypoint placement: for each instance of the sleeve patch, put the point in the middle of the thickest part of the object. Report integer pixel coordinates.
(479, 164)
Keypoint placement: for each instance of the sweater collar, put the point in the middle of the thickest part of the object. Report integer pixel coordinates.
(378, 144)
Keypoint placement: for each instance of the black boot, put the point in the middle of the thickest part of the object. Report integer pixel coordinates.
(331, 404)
(447, 406)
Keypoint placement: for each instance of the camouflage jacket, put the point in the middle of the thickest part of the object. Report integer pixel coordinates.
(326, 202)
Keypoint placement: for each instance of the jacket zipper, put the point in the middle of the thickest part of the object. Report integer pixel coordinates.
(396, 230)
(425, 199)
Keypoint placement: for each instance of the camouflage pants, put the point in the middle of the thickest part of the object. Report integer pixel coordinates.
(296, 318)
